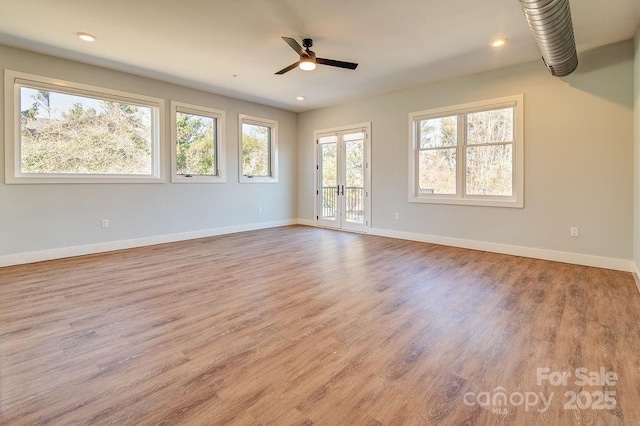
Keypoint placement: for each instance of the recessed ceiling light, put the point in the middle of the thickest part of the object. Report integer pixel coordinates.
(300, 98)
(499, 42)
(87, 37)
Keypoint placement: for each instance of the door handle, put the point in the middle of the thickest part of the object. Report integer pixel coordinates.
(342, 189)
(338, 189)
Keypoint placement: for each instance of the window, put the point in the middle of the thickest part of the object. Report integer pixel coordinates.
(468, 154)
(58, 132)
(197, 145)
(259, 149)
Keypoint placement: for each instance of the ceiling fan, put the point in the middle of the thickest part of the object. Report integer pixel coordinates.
(308, 58)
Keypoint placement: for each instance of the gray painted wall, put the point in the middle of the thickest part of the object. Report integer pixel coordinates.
(39, 217)
(578, 156)
(579, 161)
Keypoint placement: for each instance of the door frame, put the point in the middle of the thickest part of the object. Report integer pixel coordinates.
(366, 126)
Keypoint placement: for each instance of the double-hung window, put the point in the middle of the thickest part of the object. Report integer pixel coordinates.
(197, 145)
(59, 131)
(468, 154)
(258, 149)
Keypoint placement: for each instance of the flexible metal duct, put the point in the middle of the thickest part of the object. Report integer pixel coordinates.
(550, 24)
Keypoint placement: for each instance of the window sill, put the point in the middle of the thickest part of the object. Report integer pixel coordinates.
(198, 179)
(245, 179)
(486, 202)
(31, 180)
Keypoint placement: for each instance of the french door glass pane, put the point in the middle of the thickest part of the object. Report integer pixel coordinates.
(354, 177)
(489, 170)
(437, 171)
(329, 164)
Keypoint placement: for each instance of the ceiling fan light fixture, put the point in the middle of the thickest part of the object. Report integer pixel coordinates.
(308, 60)
(307, 64)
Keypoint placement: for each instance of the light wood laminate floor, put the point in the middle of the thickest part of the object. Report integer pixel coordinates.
(298, 325)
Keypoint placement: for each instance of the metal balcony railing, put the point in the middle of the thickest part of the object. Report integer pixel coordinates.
(353, 199)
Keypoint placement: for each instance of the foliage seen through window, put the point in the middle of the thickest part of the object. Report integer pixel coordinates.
(256, 150)
(70, 134)
(196, 145)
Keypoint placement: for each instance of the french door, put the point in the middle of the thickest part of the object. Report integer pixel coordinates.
(343, 195)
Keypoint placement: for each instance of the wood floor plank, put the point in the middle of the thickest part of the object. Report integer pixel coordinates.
(302, 326)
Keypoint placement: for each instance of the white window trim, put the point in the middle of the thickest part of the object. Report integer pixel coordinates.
(273, 125)
(219, 115)
(516, 200)
(12, 84)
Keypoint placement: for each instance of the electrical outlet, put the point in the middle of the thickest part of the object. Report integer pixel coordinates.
(574, 231)
(105, 223)
(397, 216)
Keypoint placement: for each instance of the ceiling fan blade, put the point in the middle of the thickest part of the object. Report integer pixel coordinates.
(334, 63)
(294, 45)
(289, 68)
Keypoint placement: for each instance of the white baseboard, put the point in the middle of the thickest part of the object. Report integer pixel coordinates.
(306, 222)
(535, 253)
(59, 253)
(636, 275)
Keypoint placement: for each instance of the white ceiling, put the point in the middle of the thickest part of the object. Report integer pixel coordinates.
(233, 47)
